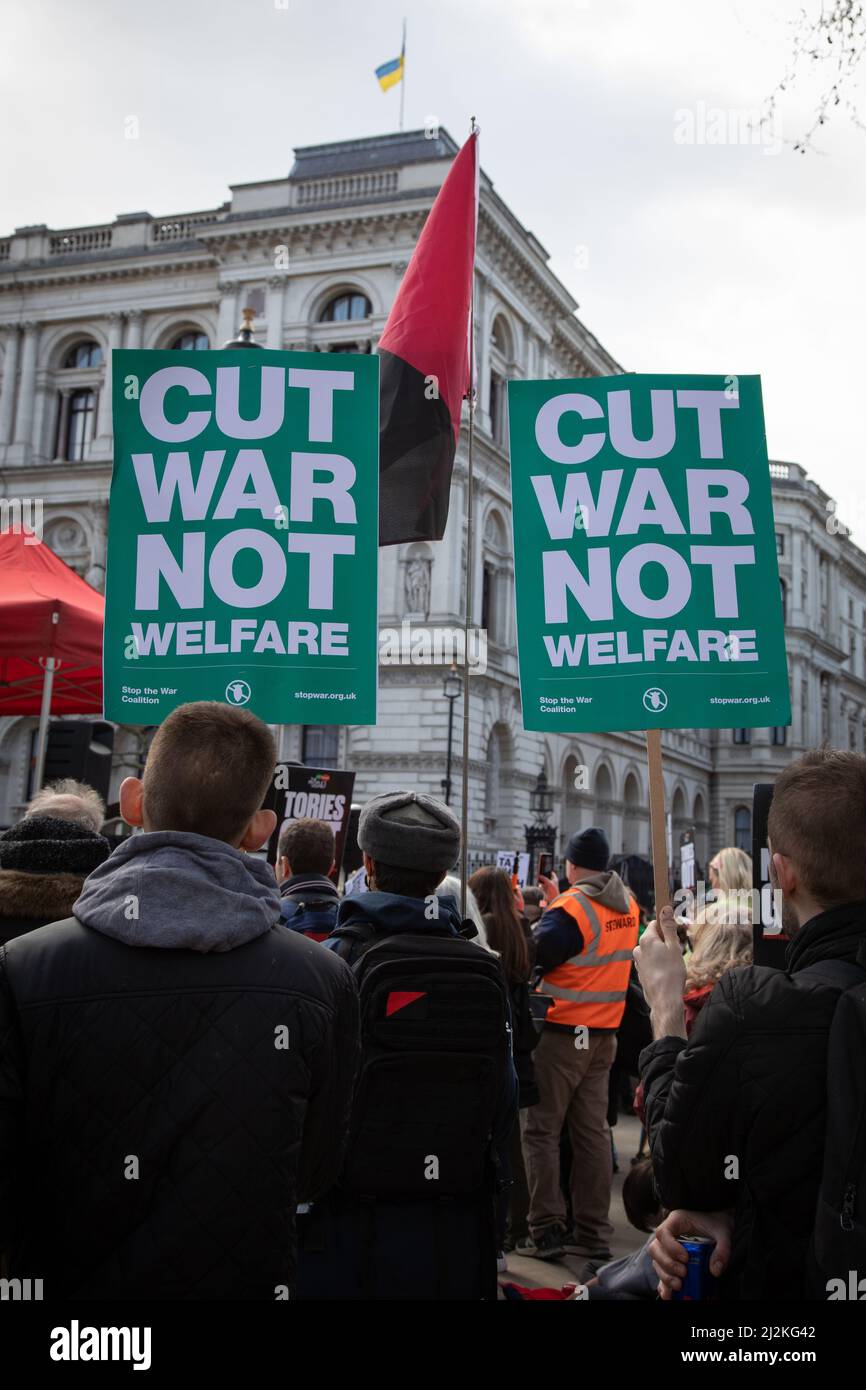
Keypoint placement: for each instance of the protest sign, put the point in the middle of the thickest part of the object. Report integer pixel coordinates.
(243, 535)
(319, 793)
(646, 578)
(514, 862)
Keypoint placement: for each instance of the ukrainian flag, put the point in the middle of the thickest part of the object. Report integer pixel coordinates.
(389, 74)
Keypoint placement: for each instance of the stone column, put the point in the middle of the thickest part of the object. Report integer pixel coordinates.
(134, 328)
(454, 539)
(274, 311)
(42, 389)
(834, 609)
(115, 338)
(27, 388)
(96, 572)
(227, 322)
(796, 604)
(10, 371)
(797, 733)
(482, 348)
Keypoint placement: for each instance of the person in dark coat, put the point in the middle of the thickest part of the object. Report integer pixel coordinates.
(44, 861)
(352, 1246)
(737, 1114)
(305, 858)
(175, 1067)
(515, 947)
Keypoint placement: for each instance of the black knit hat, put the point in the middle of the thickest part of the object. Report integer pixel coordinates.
(589, 850)
(49, 845)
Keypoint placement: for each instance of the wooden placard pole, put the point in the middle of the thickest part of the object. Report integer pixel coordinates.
(657, 819)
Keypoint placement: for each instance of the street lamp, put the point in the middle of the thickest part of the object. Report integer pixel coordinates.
(541, 799)
(540, 835)
(452, 689)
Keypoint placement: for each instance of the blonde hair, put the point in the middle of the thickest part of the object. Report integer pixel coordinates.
(451, 885)
(735, 869)
(69, 800)
(721, 939)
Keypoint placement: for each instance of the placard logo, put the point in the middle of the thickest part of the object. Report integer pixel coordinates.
(320, 783)
(238, 693)
(655, 700)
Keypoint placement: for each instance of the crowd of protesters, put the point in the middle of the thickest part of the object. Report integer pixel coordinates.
(220, 1079)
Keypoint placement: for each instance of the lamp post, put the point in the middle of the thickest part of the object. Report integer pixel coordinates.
(245, 337)
(452, 689)
(540, 835)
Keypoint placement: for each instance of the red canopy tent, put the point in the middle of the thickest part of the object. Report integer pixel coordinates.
(50, 636)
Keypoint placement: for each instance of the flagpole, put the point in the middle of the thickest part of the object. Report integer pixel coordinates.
(464, 832)
(403, 75)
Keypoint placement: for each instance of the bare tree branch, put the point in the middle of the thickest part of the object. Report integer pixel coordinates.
(832, 43)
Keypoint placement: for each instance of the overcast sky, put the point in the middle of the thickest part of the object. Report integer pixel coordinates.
(693, 257)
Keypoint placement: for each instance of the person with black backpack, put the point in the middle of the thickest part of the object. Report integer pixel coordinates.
(758, 1123)
(413, 1215)
(305, 858)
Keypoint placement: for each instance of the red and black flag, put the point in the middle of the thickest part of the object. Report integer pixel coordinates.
(425, 363)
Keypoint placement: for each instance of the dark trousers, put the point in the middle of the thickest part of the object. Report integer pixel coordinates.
(513, 1203)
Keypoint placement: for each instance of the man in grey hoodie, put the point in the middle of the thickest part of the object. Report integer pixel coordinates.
(175, 1067)
(584, 944)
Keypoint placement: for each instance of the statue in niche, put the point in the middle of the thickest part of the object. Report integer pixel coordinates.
(418, 586)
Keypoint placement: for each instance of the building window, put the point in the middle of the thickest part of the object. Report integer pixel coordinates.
(783, 589)
(780, 542)
(487, 599)
(346, 306)
(79, 429)
(742, 736)
(850, 610)
(743, 828)
(191, 342)
(823, 587)
(780, 736)
(87, 354)
(320, 746)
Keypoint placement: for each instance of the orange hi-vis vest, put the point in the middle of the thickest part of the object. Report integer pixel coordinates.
(590, 989)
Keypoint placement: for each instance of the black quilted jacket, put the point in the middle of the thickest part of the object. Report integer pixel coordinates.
(751, 1086)
(154, 1137)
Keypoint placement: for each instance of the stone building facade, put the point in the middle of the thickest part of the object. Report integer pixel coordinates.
(318, 255)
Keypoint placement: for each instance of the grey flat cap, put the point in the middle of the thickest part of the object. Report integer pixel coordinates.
(410, 831)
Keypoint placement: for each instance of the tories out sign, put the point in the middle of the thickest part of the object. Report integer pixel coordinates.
(646, 574)
(243, 535)
(316, 792)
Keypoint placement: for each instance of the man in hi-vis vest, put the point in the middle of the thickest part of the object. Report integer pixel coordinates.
(584, 945)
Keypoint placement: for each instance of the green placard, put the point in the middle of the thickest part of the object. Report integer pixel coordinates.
(243, 535)
(646, 579)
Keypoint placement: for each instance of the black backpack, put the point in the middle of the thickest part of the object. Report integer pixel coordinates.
(435, 1053)
(838, 1253)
